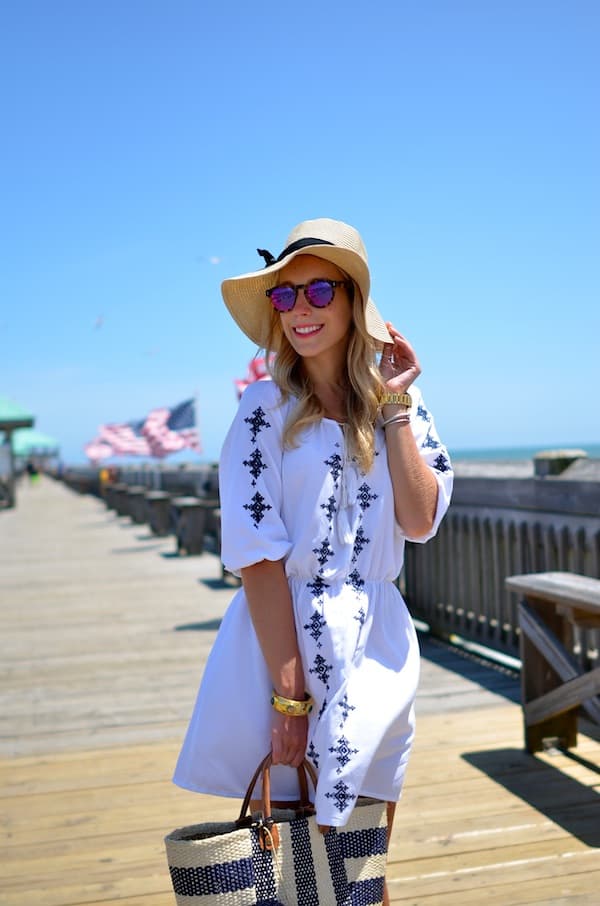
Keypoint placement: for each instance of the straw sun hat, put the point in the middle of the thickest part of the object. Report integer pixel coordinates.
(331, 240)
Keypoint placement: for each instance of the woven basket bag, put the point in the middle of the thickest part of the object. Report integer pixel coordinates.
(279, 857)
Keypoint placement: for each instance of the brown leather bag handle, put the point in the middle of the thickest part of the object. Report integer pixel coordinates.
(264, 769)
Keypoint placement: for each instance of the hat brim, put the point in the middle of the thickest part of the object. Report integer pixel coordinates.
(250, 308)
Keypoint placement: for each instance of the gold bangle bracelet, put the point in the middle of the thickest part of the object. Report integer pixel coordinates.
(290, 706)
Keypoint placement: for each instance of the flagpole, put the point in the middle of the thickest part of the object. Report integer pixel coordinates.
(196, 413)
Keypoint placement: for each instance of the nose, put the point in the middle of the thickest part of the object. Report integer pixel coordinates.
(302, 303)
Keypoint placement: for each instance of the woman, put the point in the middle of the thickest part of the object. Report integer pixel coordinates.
(326, 471)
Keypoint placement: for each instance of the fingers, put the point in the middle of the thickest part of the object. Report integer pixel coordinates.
(399, 360)
(395, 334)
(288, 740)
(297, 761)
(399, 339)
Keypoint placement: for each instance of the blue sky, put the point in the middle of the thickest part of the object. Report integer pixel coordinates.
(149, 147)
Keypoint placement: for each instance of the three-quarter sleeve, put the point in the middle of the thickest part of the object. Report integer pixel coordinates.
(435, 455)
(250, 483)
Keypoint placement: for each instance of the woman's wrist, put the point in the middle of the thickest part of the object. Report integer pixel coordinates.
(289, 679)
(396, 398)
(395, 403)
(389, 411)
(400, 419)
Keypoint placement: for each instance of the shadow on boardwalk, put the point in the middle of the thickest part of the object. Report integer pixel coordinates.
(564, 800)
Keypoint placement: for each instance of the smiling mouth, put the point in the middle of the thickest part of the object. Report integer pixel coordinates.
(308, 330)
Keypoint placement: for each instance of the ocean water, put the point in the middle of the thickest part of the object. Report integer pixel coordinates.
(511, 454)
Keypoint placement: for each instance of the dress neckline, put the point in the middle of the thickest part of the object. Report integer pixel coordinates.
(334, 421)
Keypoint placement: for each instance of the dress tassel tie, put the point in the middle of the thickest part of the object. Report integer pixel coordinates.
(346, 515)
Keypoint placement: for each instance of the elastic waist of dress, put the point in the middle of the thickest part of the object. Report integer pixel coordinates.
(318, 583)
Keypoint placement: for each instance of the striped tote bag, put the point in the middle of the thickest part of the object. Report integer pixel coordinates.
(279, 857)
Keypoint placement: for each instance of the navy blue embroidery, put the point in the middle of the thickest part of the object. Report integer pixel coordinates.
(361, 617)
(322, 709)
(365, 497)
(323, 553)
(431, 441)
(343, 753)
(335, 467)
(257, 507)
(359, 542)
(313, 754)
(355, 580)
(423, 413)
(315, 627)
(345, 707)
(342, 795)
(330, 508)
(442, 464)
(257, 422)
(255, 465)
(317, 586)
(322, 669)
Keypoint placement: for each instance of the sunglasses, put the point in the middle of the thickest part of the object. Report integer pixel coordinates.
(318, 293)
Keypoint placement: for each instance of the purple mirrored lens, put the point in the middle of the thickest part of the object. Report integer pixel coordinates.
(283, 298)
(319, 293)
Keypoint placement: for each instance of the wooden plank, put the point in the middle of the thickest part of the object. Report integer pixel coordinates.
(579, 617)
(573, 883)
(571, 694)
(567, 589)
(553, 651)
(423, 810)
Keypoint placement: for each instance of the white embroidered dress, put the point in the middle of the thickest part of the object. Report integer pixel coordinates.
(335, 529)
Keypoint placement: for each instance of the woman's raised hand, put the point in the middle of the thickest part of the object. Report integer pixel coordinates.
(399, 365)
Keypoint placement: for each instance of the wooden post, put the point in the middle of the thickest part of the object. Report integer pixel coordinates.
(538, 678)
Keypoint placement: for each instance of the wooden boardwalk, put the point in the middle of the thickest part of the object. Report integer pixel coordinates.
(103, 635)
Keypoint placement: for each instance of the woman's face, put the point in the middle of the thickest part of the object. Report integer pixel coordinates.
(315, 332)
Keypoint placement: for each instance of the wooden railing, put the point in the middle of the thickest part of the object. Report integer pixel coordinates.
(496, 528)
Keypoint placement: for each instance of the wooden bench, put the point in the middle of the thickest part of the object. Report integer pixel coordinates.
(158, 512)
(136, 503)
(119, 499)
(553, 684)
(227, 577)
(192, 519)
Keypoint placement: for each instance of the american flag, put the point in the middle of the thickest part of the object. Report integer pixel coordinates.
(97, 450)
(163, 431)
(257, 371)
(125, 438)
(170, 430)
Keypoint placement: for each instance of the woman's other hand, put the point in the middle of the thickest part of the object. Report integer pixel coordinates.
(270, 605)
(288, 739)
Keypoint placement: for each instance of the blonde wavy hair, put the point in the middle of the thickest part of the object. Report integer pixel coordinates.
(365, 386)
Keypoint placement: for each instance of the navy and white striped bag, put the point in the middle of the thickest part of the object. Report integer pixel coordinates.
(283, 860)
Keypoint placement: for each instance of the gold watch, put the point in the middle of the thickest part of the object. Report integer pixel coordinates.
(397, 399)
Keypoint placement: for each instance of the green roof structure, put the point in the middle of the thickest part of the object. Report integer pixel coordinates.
(12, 416)
(28, 442)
